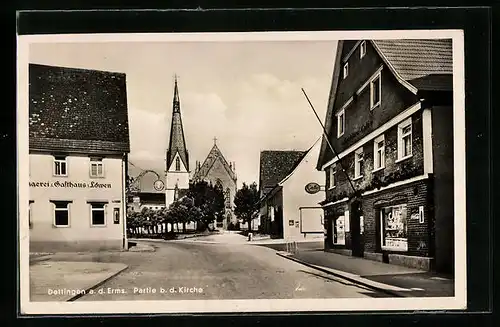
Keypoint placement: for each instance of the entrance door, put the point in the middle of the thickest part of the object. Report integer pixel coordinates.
(357, 239)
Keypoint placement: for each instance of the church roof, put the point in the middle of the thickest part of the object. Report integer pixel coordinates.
(77, 110)
(177, 142)
(275, 165)
(210, 160)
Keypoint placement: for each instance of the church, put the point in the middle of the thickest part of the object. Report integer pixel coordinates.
(215, 168)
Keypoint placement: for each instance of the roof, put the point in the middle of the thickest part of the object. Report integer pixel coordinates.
(419, 64)
(414, 59)
(275, 165)
(214, 155)
(177, 141)
(82, 110)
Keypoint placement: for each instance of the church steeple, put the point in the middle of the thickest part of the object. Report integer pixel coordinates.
(177, 142)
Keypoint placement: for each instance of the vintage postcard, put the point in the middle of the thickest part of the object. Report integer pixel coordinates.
(241, 172)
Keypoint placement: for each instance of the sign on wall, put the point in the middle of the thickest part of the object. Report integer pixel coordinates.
(70, 184)
(312, 188)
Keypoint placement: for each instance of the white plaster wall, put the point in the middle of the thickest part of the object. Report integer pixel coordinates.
(80, 229)
(295, 196)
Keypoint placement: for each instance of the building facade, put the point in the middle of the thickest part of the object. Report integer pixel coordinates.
(389, 180)
(275, 166)
(216, 170)
(78, 144)
(287, 210)
(177, 156)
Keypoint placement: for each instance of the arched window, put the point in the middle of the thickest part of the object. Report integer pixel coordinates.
(228, 197)
(177, 164)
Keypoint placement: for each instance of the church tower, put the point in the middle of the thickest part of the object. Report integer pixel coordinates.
(177, 156)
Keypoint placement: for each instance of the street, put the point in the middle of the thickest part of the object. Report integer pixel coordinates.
(191, 270)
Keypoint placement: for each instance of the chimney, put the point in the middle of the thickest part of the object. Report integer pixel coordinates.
(234, 165)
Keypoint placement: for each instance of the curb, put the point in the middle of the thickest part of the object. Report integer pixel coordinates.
(350, 277)
(77, 296)
(40, 259)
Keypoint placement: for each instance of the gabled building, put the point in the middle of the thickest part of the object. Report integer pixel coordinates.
(389, 186)
(218, 171)
(78, 148)
(283, 176)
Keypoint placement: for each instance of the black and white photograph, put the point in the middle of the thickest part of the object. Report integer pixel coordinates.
(241, 172)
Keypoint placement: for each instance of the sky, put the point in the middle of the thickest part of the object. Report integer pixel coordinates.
(246, 94)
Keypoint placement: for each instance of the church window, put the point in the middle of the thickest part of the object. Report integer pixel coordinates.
(228, 197)
(177, 164)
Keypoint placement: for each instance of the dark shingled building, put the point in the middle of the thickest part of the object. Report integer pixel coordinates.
(78, 146)
(77, 110)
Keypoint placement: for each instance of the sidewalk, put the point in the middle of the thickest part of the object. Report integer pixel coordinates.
(397, 280)
(66, 281)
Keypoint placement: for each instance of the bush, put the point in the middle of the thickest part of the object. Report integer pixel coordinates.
(170, 236)
(233, 226)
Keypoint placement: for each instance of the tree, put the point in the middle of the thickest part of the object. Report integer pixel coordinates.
(246, 203)
(209, 199)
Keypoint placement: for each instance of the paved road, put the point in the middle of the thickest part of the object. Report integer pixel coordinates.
(200, 271)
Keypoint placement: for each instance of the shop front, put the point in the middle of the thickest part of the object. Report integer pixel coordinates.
(398, 226)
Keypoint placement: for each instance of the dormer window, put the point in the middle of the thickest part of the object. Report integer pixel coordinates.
(362, 50)
(346, 70)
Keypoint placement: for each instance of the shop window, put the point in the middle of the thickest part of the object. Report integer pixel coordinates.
(394, 233)
(379, 153)
(404, 139)
(339, 231)
(359, 166)
(61, 213)
(98, 213)
(96, 167)
(60, 166)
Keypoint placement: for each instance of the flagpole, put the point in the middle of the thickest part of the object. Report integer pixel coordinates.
(325, 135)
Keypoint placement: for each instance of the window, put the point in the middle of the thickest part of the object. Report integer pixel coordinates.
(340, 123)
(362, 50)
(61, 213)
(359, 166)
(379, 153)
(404, 139)
(339, 231)
(346, 69)
(228, 197)
(375, 91)
(96, 167)
(333, 171)
(30, 222)
(97, 214)
(116, 215)
(177, 164)
(394, 228)
(60, 166)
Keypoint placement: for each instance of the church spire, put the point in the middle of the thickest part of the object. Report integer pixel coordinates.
(177, 143)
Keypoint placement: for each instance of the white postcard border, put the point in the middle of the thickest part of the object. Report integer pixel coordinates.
(228, 306)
